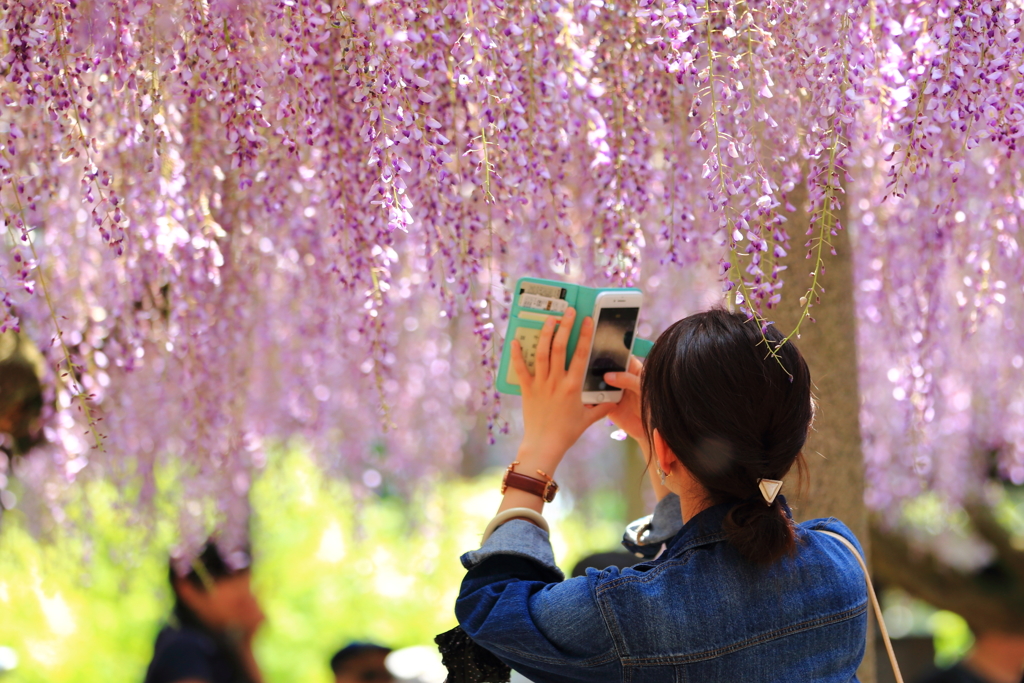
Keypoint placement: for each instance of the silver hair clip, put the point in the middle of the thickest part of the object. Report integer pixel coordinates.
(769, 489)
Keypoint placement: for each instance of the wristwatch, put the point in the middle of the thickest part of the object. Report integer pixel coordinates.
(545, 488)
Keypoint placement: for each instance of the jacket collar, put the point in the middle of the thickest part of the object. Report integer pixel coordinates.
(705, 528)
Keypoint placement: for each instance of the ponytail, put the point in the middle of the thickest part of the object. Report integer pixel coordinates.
(761, 533)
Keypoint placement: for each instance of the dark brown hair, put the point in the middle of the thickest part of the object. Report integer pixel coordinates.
(732, 413)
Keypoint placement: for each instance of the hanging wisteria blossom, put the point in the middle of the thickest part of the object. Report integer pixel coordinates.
(229, 221)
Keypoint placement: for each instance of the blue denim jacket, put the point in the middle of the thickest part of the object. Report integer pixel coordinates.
(698, 612)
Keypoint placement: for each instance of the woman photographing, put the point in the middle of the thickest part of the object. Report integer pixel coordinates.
(739, 592)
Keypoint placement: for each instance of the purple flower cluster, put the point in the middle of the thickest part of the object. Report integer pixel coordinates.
(937, 213)
(235, 223)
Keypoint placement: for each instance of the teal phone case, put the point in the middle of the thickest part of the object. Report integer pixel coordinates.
(579, 297)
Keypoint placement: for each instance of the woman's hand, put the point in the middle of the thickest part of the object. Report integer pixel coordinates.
(626, 414)
(554, 415)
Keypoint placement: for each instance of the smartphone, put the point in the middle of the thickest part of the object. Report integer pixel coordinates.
(615, 318)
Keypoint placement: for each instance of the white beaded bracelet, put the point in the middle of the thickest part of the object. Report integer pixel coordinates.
(514, 513)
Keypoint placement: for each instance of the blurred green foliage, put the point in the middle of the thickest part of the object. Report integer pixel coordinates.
(328, 569)
(952, 635)
(906, 616)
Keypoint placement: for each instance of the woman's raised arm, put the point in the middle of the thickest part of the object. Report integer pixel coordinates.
(554, 415)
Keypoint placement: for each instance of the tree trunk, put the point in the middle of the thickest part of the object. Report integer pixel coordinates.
(835, 463)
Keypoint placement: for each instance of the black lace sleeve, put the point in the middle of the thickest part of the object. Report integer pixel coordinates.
(467, 662)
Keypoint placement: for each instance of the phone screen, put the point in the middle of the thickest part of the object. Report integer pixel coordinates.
(613, 338)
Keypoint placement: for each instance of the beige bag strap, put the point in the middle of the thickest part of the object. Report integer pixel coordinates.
(874, 602)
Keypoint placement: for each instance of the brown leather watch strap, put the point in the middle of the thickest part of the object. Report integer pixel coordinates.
(545, 490)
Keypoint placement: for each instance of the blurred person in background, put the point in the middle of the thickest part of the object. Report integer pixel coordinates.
(209, 636)
(995, 657)
(361, 663)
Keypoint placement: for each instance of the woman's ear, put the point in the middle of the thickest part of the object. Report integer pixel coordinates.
(663, 455)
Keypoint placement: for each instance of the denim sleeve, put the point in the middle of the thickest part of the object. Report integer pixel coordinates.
(515, 603)
(520, 539)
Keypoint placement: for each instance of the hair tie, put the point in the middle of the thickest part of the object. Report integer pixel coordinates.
(769, 489)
